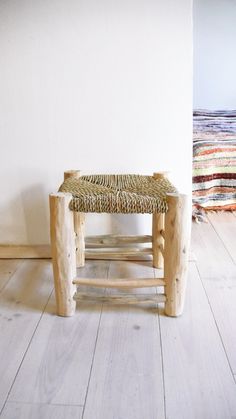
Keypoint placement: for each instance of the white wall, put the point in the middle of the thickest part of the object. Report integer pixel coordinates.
(102, 86)
(214, 54)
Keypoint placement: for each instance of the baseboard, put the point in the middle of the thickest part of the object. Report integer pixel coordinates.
(25, 251)
(44, 252)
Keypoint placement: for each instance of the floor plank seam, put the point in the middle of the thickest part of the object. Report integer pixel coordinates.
(11, 275)
(162, 363)
(222, 241)
(216, 324)
(27, 348)
(94, 351)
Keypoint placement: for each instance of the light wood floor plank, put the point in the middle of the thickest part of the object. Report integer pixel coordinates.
(224, 224)
(222, 298)
(7, 269)
(212, 258)
(21, 302)
(40, 411)
(57, 366)
(126, 380)
(198, 379)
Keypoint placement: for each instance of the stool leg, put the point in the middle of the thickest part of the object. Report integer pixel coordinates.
(177, 238)
(79, 224)
(157, 239)
(63, 252)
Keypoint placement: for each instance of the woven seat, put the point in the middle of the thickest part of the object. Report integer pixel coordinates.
(118, 193)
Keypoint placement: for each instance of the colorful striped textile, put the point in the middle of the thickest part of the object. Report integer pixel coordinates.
(214, 161)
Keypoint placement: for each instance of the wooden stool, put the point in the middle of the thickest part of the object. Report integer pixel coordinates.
(170, 234)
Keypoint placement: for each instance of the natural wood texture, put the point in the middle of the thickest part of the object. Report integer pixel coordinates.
(22, 302)
(157, 225)
(7, 269)
(120, 282)
(79, 225)
(162, 233)
(40, 411)
(72, 173)
(158, 222)
(63, 252)
(224, 224)
(25, 252)
(121, 254)
(213, 259)
(126, 378)
(57, 365)
(113, 240)
(194, 361)
(177, 241)
(161, 247)
(222, 298)
(122, 298)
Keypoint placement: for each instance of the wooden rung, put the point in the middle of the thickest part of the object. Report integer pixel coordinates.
(161, 247)
(124, 254)
(120, 283)
(162, 233)
(122, 299)
(113, 240)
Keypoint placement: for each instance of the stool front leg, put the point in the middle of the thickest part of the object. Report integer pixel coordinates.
(63, 252)
(177, 240)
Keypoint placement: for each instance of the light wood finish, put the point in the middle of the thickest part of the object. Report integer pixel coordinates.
(63, 252)
(79, 225)
(22, 302)
(7, 269)
(162, 233)
(194, 361)
(123, 298)
(158, 221)
(72, 173)
(177, 240)
(113, 240)
(161, 247)
(41, 411)
(122, 254)
(224, 224)
(126, 378)
(120, 282)
(213, 259)
(25, 252)
(104, 360)
(57, 365)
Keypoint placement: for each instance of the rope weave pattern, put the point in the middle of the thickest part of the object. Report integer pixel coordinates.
(124, 194)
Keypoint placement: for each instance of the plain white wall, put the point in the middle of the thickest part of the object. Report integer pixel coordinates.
(102, 86)
(214, 54)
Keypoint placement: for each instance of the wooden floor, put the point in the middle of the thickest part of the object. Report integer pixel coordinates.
(122, 362)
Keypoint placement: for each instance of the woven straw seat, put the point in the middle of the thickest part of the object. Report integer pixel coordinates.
(118, 193)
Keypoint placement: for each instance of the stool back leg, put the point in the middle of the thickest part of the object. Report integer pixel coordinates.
(177, 240)
(63, 252)
(157, 239)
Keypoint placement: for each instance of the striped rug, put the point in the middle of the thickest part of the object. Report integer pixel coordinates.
(214, 161)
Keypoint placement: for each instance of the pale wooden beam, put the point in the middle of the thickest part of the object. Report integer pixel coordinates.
(158, 220)
(63, 252)
(177, 239)
(122, 299)
(79, 224)
(120, 283)
(115, 240)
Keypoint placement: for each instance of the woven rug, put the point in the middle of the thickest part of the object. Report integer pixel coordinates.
(124, 194)
(214, 161)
